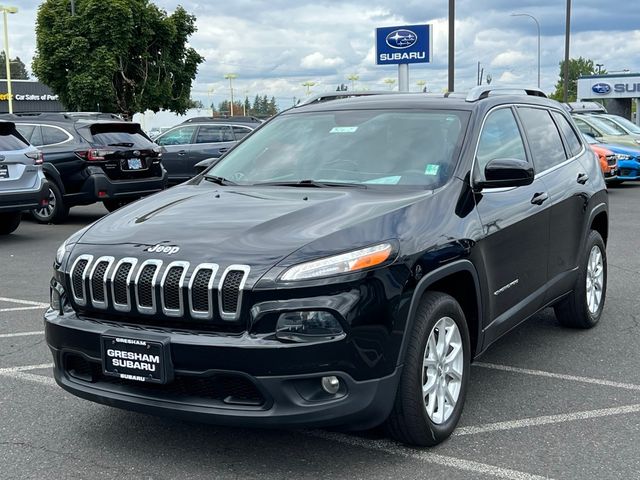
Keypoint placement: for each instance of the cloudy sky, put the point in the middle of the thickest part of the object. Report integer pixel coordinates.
(274, 46)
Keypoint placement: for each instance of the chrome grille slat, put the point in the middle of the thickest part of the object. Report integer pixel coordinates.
(118, 283)
(230, 296)
(171, 287)
(98, 281)
(149, 307)
(196, 289)
(78, 279)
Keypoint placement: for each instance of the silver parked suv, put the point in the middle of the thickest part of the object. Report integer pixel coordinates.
(22, 183)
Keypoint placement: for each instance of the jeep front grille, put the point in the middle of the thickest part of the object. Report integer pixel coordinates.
(151, 287)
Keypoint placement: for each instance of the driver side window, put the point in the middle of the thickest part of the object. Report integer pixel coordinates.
(500, 138)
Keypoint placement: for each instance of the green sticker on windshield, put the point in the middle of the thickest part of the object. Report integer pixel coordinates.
(431, 169)
(343, 129)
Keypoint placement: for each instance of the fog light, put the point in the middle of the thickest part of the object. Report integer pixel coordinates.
(308, 326)
(331, 384)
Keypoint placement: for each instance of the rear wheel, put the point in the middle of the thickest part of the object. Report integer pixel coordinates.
(433, 384)
(56, 211)
(9, 222)
(583, 307)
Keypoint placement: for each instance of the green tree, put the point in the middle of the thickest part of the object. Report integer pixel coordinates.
(195, 104)
(247, 106)
(123, 56)
(577, 68)
(273, 107)
(18, 68)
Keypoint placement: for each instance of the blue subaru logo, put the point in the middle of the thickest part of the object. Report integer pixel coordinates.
(601, 88)
(401, 38)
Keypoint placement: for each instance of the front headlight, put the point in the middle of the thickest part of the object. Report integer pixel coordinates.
(343, 263)
(62, 249)
(621, 156)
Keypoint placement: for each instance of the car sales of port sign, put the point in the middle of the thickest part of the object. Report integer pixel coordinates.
(407, 44)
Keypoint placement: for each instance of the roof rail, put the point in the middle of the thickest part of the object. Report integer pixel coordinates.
(63, 115)
(483, 91)
(327, 96)
(225, 119)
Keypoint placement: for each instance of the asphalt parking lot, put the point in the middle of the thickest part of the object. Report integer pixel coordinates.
(544, 402)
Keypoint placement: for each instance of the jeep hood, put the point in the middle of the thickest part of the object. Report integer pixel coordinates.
(247, 225)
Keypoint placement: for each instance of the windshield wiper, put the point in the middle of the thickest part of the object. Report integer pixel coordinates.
(310, 183)
(218, 180)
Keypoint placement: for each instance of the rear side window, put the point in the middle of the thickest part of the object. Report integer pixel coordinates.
(570, 135)
(584, 127)
(53, 135)
(177, 136)
(544, 139)
(214, 134)
(241, 132)
(120, 135)
(500, 138)
(10, 139)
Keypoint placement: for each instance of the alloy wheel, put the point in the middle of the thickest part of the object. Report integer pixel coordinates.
(595, 279)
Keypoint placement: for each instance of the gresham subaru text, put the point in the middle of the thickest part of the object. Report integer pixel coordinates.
(341, 266)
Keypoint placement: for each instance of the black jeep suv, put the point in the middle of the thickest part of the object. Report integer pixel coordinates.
(90, 157)
(343, 265)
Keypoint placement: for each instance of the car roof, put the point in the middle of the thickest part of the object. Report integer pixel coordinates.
(479, 98)
(59, 117)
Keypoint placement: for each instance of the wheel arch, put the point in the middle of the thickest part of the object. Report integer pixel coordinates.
(599, 221)
(53, 175)
(460, 280)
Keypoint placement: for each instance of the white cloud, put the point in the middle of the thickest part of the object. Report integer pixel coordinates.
(319, 61)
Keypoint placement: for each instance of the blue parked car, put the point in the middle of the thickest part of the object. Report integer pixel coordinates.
(628, 160)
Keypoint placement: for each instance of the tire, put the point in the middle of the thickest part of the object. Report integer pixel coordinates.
(410, 421)
(9, 222)
(113, 205)
(56, 211)
(576, 311)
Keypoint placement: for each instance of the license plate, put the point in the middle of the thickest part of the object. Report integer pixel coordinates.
(4, 171)
(134, 164)
(135, 359)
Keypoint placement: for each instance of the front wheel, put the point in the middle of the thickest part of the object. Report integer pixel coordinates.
(434, 378)
(9, 222)
(583, 307)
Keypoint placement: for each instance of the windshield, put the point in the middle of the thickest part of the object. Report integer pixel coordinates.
(364, 147)
(628, 124)
(606, 126)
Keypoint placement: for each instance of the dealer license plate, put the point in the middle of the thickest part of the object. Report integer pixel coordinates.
(134, 164)
(4, 171)
(135, 359)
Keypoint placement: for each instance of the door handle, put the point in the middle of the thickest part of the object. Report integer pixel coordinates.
(182, 153)
(582, 178)
(540, 198)
(223, 150)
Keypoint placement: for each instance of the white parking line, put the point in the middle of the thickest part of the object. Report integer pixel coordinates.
(547, 420)
(17, 309)
(558, 376)
(386, 446)
(23, 302)
(30, 377)
(19, 334)
(24, 368)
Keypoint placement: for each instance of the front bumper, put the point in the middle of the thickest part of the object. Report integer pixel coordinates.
(20, 200)
(262, 394)
(98, 186)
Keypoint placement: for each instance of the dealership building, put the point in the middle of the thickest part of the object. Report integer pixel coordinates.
(616, 92)
(29, 96)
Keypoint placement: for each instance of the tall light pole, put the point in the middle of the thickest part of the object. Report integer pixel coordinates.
(231, 77)
(567, 34)
(452, 47)
(6, 10)
(308, 84)
(538, 27)
(353, 78)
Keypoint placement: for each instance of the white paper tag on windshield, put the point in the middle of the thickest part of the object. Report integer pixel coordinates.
(343, 129)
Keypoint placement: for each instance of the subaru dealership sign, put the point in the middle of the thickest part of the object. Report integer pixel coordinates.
(609, 86)
(404, 44)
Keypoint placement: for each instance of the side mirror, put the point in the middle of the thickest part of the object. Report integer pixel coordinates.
(507, 172)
